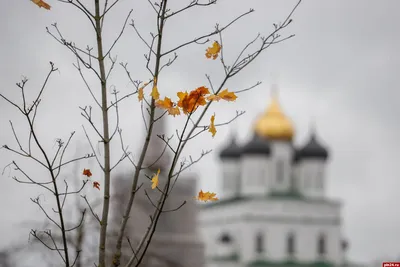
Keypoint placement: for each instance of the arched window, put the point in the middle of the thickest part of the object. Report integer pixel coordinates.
(226, 182)
(238, 184)
(318, 182)
(321, 245)
(261, 176)
(307, 180)
(293, 185)
(259, 243)
(225, 238)
(290, 244)
(280, 171)
(344, 244)
(320, 179)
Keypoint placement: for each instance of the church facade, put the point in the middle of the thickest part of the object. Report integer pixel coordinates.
(273, 209)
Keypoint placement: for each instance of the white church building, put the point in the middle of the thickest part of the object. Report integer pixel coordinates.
(273, 210)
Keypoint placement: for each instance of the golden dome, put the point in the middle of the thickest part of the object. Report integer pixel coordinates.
(273, 124)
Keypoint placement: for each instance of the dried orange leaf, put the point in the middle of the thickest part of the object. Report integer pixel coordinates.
(140, 91)
(212, 128)
(154, 92)
(206, 196)
(87, 172)
(169, 106)
(140, 94)
(174, 111)
(182, 103)
(213, 51)
(226, 95)
(214, 98)
(165, 104)
(96, 185)
(189, 102)
(154, 180)
(202, 90)
(41, 3)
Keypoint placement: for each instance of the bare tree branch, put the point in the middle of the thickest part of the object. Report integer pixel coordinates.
(192, 4)
(216, 31)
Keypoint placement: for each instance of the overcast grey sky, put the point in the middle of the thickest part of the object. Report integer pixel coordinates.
(342, 69)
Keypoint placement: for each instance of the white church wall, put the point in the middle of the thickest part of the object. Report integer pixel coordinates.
(212, 231)
(255, 175)
(223, 264)
(311, 176)
(288, 208)
(296, 177)
(307, 220)
(271, 208)
(306, 241)
(275, 218)
(281, 151)
(230, 178)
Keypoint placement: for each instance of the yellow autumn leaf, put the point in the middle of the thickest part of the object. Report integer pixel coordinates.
(212, 128)
(213, 51)
(225, 95)
(41, 3)
(154, 92)
(154, 180)
(169, 106)
(166, 103)
(140, 94)
(140, 91)
(174, 111)
(206, 196)
(214, 98)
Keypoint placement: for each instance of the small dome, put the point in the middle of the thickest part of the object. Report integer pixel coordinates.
(312, 149)
(257, 145)
(274, 124)
(232, 151)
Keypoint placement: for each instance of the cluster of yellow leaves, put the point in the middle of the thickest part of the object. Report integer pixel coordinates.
(41, 3)
(196, 97)
(189, 101)
(154, 92)
(202, 196)
(88, 173)
(213, 51)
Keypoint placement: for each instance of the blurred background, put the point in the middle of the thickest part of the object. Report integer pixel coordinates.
(340, 72)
